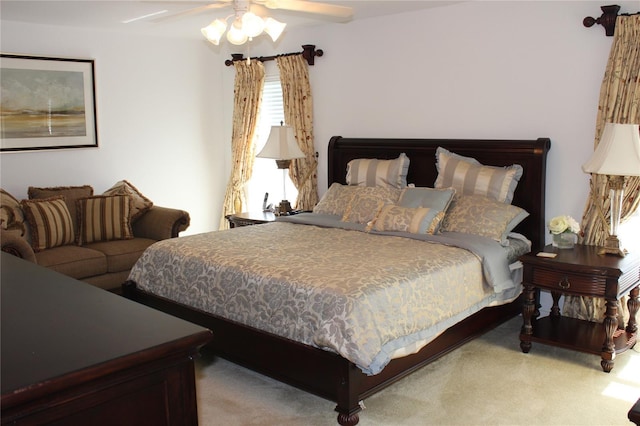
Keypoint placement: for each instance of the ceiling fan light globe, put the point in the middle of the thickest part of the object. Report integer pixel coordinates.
(214, 31)
(274, 28)
(252, 24)
(236, 36)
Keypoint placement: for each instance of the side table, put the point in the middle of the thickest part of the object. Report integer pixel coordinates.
(581, 271)
(250, 218)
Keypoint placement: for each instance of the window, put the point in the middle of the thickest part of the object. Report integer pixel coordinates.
(266, 176)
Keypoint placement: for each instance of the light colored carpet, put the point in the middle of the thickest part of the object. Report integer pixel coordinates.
(488, 381)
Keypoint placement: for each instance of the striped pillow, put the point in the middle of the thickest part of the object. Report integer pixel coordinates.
(468, 177)
(418, 220)
(103, 218)
(373, 172)
(50, 222)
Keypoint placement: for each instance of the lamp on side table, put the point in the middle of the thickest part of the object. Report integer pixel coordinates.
(617, 156)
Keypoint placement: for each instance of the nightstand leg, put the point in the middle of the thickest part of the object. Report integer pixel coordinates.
(610, 326)
(528, 308)
(633, 304)
(555, 308)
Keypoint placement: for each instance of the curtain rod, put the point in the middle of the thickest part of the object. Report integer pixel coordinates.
(607, 19)
(309, 53)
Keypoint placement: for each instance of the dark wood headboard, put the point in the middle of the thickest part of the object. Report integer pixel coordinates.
(530, 154)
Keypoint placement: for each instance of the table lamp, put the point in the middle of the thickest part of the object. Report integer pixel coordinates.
(282, 147)
(617, 156)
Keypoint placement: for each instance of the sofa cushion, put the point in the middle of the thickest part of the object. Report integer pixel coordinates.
(12, 216)
(139, 203)
(50, 222)
(71, 195)
(103, 218)
(74, 261)
(121, 254)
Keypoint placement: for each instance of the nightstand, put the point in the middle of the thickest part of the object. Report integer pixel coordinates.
(581, 271)
(250, 218)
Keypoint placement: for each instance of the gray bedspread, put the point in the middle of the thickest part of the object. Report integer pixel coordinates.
(359, 294)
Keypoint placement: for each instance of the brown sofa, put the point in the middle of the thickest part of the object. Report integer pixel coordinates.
(94, 253)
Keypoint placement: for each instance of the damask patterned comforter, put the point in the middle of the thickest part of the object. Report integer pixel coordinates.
(359, 294)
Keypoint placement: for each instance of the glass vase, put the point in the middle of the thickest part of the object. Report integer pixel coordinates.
(565, 240)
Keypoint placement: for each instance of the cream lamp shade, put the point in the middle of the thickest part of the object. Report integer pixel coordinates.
(618, 152)
(281, 145)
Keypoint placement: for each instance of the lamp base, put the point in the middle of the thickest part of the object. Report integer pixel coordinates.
(612, 246)
(284, 208)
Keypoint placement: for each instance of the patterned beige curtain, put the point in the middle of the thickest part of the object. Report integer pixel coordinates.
(298, 113)
(247, 94)
(619, 103)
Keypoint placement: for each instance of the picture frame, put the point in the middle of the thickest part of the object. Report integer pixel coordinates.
(47, 103)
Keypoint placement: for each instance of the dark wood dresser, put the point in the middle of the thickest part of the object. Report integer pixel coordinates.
(73, 354)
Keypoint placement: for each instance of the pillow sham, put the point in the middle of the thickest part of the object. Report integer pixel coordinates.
(139, 203)
(49, 221)
(480, 215)
(374, 172)
(426, 197)
(416, 220)
(335, 200)
(468, 177)
(104, 218)
(367, 201)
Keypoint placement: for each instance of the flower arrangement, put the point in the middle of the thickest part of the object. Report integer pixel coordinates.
(563, 224)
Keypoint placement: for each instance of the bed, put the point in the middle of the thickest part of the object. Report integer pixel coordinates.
(334, 366)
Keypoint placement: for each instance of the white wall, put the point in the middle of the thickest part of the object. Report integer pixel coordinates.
(468, 70)
(159, 117)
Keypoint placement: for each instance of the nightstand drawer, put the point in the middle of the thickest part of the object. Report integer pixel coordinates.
(569, 282)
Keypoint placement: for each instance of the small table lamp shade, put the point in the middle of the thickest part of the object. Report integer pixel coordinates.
(617, 156)
(281, 145)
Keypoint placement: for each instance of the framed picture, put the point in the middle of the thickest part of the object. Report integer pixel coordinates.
(46, 103)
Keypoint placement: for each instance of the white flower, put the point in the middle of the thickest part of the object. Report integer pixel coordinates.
(560, 224)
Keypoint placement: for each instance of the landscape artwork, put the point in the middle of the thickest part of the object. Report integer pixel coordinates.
(46, 103)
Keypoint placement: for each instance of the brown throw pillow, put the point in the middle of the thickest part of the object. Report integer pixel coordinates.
(50, 222)
(104, 218)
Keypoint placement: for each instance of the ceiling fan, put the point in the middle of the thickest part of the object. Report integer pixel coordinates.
(250, 17)
(260, 6)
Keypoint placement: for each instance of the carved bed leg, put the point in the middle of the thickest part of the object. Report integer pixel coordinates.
(348, 419)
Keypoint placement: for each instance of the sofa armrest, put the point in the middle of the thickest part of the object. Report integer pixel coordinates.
(13, 243)
(161, 223)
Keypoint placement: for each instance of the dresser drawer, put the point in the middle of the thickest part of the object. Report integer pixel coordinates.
(554, 280)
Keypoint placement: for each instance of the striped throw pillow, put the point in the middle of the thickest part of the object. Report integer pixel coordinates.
(468, 177)
(50, 222)
(418, 220)
(104, 218)
(374, 172)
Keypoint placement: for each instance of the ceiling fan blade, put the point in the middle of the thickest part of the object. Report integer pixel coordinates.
(193, 11)
(311, 7)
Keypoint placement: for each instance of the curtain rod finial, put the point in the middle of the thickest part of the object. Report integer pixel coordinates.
(607, 19)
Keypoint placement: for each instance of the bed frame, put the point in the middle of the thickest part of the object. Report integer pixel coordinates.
(327, 374)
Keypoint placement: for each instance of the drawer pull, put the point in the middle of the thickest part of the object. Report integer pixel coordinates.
(564, 284)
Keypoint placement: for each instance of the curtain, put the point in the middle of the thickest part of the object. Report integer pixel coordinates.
(298, 113)
(619, 103)
(247, 93)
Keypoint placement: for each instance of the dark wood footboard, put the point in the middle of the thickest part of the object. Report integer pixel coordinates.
(314, 370)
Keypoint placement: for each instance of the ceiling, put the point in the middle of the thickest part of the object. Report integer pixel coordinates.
(110, 14)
